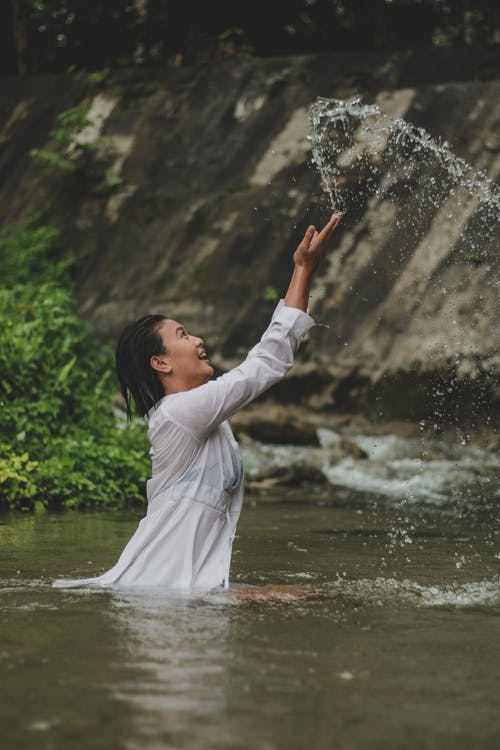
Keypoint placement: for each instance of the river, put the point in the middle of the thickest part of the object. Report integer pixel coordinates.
(398, 648)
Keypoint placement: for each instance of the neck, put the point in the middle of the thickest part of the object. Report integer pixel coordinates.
(172, 385)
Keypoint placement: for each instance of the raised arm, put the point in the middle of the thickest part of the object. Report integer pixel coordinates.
(306, 259)
(200, 409)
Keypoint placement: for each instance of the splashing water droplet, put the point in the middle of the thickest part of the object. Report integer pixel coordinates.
(363, 154)
(428, 211)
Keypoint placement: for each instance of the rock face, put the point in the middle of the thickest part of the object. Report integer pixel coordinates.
(211, 189)
(274, 425)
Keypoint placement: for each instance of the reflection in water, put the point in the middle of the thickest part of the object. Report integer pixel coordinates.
(182, 646)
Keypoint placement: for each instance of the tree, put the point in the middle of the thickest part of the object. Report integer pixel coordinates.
(53, 35)
(20, 10)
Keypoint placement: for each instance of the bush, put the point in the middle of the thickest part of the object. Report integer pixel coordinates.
(60, 442)
(75, 150)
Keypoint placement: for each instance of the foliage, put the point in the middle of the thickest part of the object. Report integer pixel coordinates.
(74, 149)
(231, 44)
(474, 258)
(57, 35)
(275, 82)
(60, 444)
(98, 77)
(270, 294)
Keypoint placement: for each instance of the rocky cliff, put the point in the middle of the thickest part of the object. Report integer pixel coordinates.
(208, 186)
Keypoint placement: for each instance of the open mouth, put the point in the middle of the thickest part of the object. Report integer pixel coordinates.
(203, 356)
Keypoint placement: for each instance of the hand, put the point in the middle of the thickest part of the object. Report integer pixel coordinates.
(313, 247)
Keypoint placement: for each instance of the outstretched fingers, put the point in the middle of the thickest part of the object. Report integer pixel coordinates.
(312, 234)
(309, 236)
(329, 228)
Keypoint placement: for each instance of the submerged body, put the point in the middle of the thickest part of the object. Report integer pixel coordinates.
(195, 493)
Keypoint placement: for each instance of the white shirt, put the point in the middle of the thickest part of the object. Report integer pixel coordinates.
(195, 492)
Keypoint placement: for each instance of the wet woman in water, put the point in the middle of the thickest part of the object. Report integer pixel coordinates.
(195, 492)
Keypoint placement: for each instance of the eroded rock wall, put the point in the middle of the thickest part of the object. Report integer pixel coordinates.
(214, 188)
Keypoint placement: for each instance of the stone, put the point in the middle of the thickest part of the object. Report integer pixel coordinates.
(205, 218)
(276, 429)
(295, 475)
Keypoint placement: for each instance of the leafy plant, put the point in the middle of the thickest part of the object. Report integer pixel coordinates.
(75, 151)
(276, 82)
(473, 257)
(98, 77)
(270, 294)
(231, 44)
(60, 442)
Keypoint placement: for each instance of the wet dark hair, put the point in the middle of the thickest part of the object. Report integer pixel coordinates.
(139, 342)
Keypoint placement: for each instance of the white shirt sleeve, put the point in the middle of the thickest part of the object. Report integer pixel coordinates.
(201, 409)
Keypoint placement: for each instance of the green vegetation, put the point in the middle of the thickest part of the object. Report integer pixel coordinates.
(61, 445)
(473, 257)
(270, 294)
(72, 151)
(98, 77)
(276, 82)
(56, 35)
(68, 154)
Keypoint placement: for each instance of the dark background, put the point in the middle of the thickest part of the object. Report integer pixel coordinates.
(52, 36)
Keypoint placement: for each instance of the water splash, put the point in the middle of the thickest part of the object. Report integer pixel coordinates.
(365, 155)
(349, 134)
(383, 591)
(435, 473)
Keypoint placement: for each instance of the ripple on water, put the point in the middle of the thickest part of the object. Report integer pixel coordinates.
(382, 591)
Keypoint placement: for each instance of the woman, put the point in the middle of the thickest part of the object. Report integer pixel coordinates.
(196, 489)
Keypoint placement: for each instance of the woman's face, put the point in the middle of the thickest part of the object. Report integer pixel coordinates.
(185, 354)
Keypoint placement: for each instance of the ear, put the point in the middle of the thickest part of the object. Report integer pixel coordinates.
(160, 365)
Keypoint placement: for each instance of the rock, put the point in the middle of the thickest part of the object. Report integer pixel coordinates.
(345, 449)
(351, 449)
(291, 476)
(277, 429)
(215, 192)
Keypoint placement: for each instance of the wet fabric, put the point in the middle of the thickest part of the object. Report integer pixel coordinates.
(195, 492)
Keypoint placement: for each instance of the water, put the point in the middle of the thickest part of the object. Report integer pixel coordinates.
(363, 153)
(399, 648)
(398, 471)
(411, 292)
(400, 644)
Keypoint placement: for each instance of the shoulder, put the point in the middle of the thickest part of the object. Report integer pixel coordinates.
(177, 414)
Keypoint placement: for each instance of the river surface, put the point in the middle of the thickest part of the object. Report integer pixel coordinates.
(399, 648)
